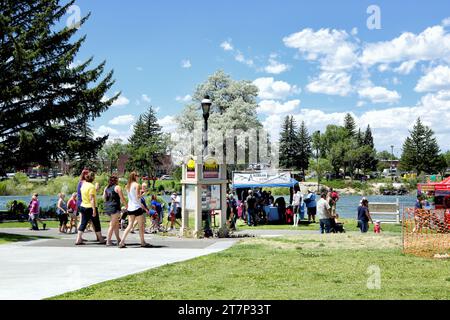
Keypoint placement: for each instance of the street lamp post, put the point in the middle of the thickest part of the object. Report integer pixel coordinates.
(392, 161)
(206, 108)
(317, 156)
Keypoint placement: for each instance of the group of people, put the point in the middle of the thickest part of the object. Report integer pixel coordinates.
(81, 212)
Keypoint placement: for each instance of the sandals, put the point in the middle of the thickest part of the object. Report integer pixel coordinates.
(146, 245)
(80, 244)
(122, 246)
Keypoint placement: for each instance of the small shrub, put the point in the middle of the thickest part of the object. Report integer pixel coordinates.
(10, 203)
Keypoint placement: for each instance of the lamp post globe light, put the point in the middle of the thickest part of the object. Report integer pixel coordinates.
(206, 108)
(317, 156)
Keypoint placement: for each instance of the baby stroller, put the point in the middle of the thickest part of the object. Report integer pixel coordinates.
(338, 228)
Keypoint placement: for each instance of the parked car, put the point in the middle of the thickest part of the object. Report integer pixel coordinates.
(166, 177)
(10, 175)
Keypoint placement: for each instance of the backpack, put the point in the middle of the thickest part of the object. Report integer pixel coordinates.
(307, 199)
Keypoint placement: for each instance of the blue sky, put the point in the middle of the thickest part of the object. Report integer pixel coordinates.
(313, 59)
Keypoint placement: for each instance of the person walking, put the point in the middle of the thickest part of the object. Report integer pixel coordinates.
(135, 210)
(72, 209)
(89, 210)
(364, 216)
(113, 197)
(83, 175)
(297, 199)
(34, 210)
(324, 214)
(174, 210)
(251, 208)
(311, 206)
(61, 211)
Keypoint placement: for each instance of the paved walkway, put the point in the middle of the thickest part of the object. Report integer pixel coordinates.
(44, 268)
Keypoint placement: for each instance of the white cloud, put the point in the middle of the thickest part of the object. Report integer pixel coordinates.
(436, 79)
(446, 22)
(354, 31)
(275, 107)
(227, 46)
(330, 47)
(406, 67)
(186, 64)
(269, 89)
(146, 98)
(122, 120)
(331, 84)
(276, 67)
(379, 95)
(186, 98)
(361, 104)
(168, 124)
(104, 130)
(239, 57)
(433, 43)
(119, 102)
(383, 67)
(140, 69)
(323, 41)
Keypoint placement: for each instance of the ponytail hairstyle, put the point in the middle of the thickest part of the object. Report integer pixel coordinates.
(131, 178)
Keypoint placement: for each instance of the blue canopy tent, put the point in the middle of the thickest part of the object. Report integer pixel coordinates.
(264, 179)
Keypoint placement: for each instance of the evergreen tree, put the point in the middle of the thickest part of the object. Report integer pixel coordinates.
(420, 150)
(304, 151)
(350, 125)
(146, 145)
(46, 103)
(288, 144)
(370, 161)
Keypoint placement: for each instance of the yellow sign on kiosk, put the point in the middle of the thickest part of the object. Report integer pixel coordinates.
(211, 169)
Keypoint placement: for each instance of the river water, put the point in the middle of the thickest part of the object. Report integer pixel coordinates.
(346, 207)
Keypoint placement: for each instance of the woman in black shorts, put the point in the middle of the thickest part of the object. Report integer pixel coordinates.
(135, 210)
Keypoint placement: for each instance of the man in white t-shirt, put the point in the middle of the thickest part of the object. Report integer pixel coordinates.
(324, 214)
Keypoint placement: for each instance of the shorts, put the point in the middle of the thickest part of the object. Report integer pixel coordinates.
(109, 214)
(137, 213)
(312, 211)
(178, 214)
(34, 216)
(63, 219)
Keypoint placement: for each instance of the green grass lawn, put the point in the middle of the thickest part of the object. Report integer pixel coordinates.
(349, 225)
(302, 267)
(9, 238)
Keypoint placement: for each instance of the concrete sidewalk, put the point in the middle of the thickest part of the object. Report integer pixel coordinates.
(44, 268)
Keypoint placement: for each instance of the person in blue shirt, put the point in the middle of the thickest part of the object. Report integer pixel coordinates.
(157, 206)
(364, 216)
(311, 206)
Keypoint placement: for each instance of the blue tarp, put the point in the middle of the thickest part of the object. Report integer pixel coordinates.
(268, 185)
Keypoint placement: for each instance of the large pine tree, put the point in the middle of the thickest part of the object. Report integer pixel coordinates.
(369, 161)
(304, 151)
(289, 144)
(350, 125)
(420, 150)
(46, 103)
(146, 144)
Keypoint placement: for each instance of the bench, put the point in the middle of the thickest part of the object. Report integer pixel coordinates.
(388, 212)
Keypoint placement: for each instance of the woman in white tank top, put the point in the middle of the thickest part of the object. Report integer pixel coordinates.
(135, 210)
